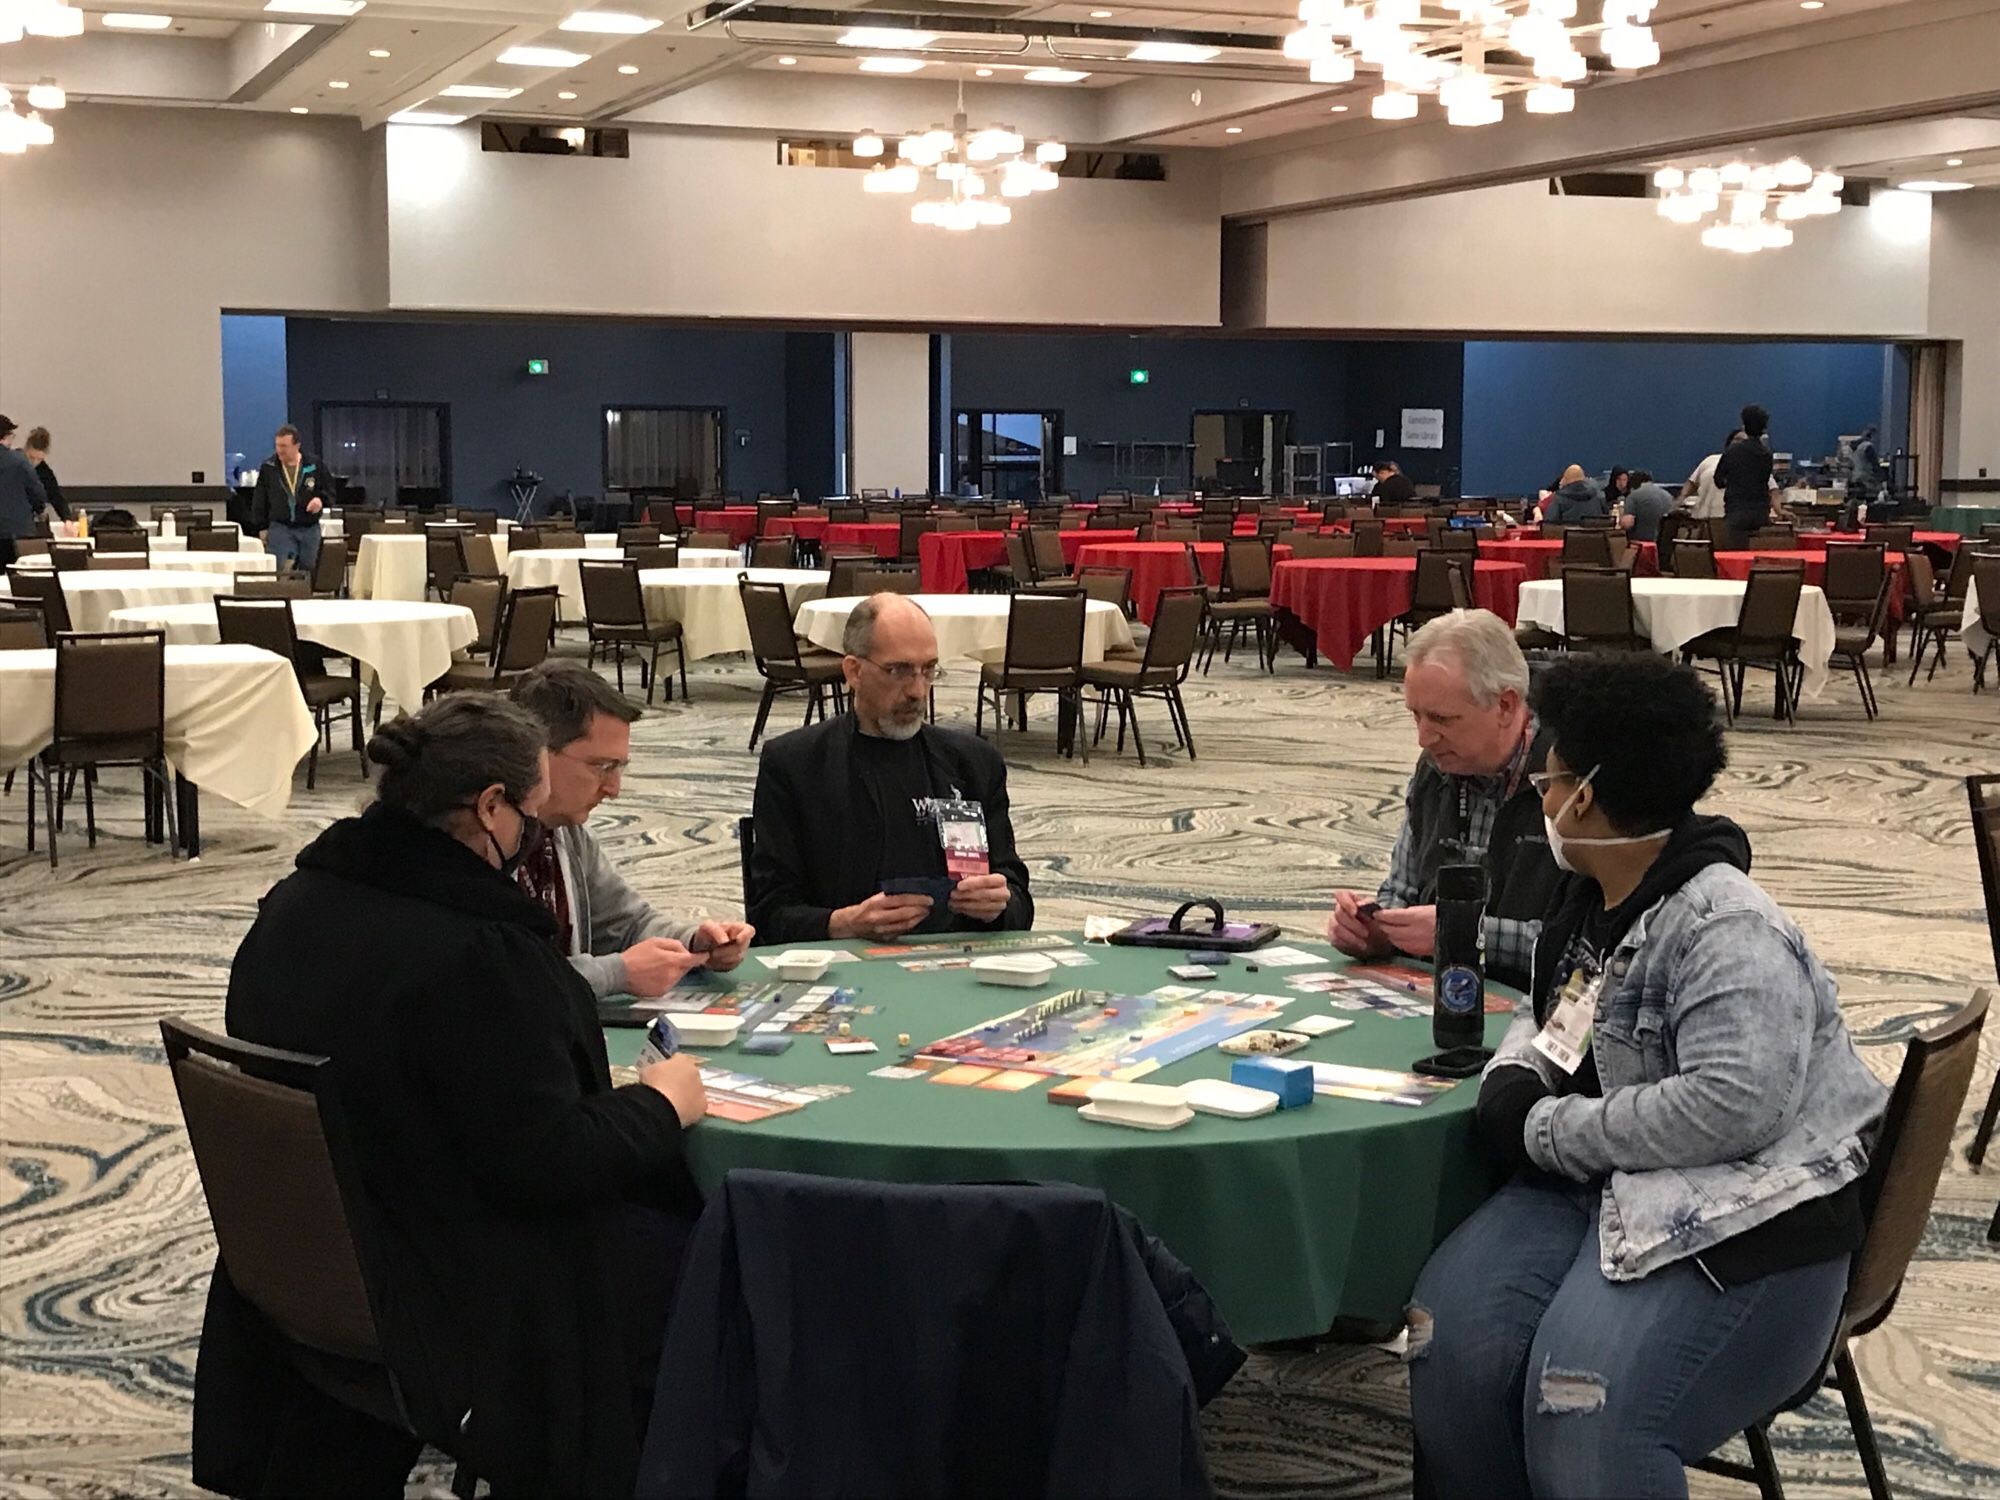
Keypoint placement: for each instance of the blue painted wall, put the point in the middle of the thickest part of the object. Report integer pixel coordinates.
(254, 385)
(811, 418)
(1383, 377)
(1532, 408)
(501, 416)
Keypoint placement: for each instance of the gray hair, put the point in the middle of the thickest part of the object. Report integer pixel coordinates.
(1483, 647)
(566, 696)
(442, 758)
(857, 637)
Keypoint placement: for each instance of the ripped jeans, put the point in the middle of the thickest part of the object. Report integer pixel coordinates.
(1532, 1375)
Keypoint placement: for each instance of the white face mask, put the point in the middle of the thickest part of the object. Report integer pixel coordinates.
(1559, 846)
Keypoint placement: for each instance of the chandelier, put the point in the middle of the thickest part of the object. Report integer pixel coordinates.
(1392, 38)
(976, 169)
(1755, 205)
(51, 18)
(19, 18)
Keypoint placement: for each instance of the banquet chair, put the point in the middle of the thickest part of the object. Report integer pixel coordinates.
(443, 562)
(131, 562)
(23, 627)
(32, 546)
(638, 534)
(108, 541)
(45, 589)
(1911, 1146)
(1590, 547)
(844, 567)
(1176, 531)
(1779, 538)
(272, 586)
(720, 541)
(1073, 520)
(1854, 638)
(846, 514)
(482, 594)
(1986, 579)
(267, 624)
(1983, 794)
(294, 1229)
(1761, 636)
(1855, 574)
(911, 529)
(110, 710)
(1940, 624)
(958, 523)
(614, 616)
(1045, 547)
(1597, 610)
(659, 555)
(214, 539)
(1403, 546)
(1693, 559)
(1305, 546)
(1891, 536)
(521, 641)
(1368, 537)
(1178, 621)
(1243, 602)
(888, 578)
(1442, 583)
(784, 665)
(1044, 654)
(329, 574)
(1107, 585)
(1209, 529)
(1458, 539)
(772, 552)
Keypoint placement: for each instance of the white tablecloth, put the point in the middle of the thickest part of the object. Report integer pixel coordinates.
(180, 531)
(543, 567)
(336, 526)
(93, 596)
(970, 626)
(237, 724)
(406, 645)
(390, 567)
(593, 542)
(162, 559)
(709, 607)
(718, 557)
(1673, 611)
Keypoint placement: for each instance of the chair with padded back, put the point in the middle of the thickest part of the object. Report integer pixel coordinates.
(130, 562)
(1761, 636)
(785, 666)
(1592, 548)
(482, 594)
(846, 515)
(32, 546)
(110, 710)
(1597, 610)
(108, 540)
(1368, 537)
(1938, 623)
(1214, 529)
(1045, 548)
(521, 641)
(1986, 580)
(888, 578)
(272, 586)
(1242, 603)
(958, 523)
(1891, 536)
(1043, 654)
(1855, 573)
(45, 588)
(1905, 1164)
(1306, 546)
(1775, 538)
(1178, 622)
(658, 555)
(1693, 559)
(614, 615)
(912, 529)
(329, 573)
(23, 626)
(1983, 795)
(214, 539)
(844, 568)
(1176, 531)
(638, 534)
(1442, 583)
(266, 623)
(719, 541)
(1854, 637)
(773, 552)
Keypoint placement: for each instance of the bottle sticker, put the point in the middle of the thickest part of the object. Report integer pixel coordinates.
(1459, 990)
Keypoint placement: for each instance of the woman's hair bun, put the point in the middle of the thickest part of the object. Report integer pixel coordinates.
(396, 742)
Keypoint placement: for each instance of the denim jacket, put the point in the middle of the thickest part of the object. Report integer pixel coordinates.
(1731, 1089)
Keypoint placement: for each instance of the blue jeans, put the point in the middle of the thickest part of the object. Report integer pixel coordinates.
(1541, 1378)
(289, 544)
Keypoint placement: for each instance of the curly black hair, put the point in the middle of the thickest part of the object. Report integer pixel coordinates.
(1649, 726)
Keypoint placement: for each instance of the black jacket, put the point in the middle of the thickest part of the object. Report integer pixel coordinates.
(819, 834)
(1397, 489)
(1743, 474)
(271, 501)
(20, 493)
(52, 490)
(839, 1338)
(498, 1158)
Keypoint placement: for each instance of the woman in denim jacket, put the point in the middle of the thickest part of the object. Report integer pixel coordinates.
(1687, 1121)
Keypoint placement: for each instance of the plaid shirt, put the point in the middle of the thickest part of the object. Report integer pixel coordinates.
(1510, 942)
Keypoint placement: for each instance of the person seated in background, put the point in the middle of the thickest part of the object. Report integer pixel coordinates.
(1392, 485)
(1617, 486)
(36, 447)
(1645, 507)
(613, 936)
(1686, 1119)
(848, 807)
(1468, 802)
(527, 1214)
(1576, 498)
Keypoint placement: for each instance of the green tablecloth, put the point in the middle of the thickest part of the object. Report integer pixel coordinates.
(1964, 519)
(1290, 1220)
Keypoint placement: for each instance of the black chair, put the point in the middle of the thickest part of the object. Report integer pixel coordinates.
(329, 573)
(1242, 602)
(45, 589)
(1937, 623)
(527, 622)
(781, 662)
(110, 710)
(1044, 654)
(1597, 609)
(268, 625)
(23, 626)
(1761, 637)
(614, 613)
(1178, 620)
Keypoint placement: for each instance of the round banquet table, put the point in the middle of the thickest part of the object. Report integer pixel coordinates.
(708, 607)
(1345, 600)
(1673, 611)
(1539, 556)
(391, 565)
(1160, 565)
(93, 597)
(740, 521)
(1941, 544)
(556, 567)
(1391, 526)
(161, 560)
(407, 645)
(806, 528)
(1737, 565)
(886, 537)
(1291, 1220)
(947, 558)
(969, 626)
(590, 541)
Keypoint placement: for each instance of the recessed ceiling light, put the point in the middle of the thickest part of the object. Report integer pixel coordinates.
(378, 51)
(299, 109)
(541, 57)
(476, 91)
(1053, 75)
(886, 38)
(628, 69)
(1232, 130)
(891, 64)
(336, 83)
(1340, 109)
(314, 7)
(1812, 4)
(1171, 52)
(566, 94)
(1954, 161)
(425, 117)
(982, 72)
(1932, 185)
(1102, 15)
(788, 62)
(125, 20)
(609, 23)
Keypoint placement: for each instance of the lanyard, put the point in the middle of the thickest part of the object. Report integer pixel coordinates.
(291, 477)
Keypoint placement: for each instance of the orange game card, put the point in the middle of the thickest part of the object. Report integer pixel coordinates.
(1013, 1080)
(965, 1073)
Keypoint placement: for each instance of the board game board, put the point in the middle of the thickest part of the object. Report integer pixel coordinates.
(800, 1007)
(1096, 1034)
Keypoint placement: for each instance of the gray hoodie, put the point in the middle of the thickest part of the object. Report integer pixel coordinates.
(607, 915)
(1579, 500)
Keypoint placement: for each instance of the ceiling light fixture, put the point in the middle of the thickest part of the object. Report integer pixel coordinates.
(477, 91)
(892, 64)
(977, 168)
(48, 94)
(49, 18)
(542, 57)
(378, 51)
(609, 23)
(1949, 161)
(425, 117)
(1102, 15)
(1171, 52)
(566, 95)
(1933, 185)
(131, 20)
(628, 69)
(1232, 130)
(867, 144)
(1393, 104)
(887, 38)
(314, 7)
(1339, 109)
(336, 83)
(1754, 204)
(300, 109)
(1053, 75)
(1812, 4)
(19, 132)
(983, 72)
(788, 62)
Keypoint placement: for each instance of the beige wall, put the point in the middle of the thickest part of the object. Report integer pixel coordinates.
(121, 244)
(1965, 305)
(889, 404)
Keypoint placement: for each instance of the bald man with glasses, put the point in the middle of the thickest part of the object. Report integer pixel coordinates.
(865, 823)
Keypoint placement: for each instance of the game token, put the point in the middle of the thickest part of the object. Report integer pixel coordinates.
(902, 1039)
(846, 1028)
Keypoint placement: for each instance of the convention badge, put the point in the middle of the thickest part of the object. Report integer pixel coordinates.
(961, 831)
(1565, 1036)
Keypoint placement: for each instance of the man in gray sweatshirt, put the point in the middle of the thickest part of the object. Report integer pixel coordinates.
(613, 936)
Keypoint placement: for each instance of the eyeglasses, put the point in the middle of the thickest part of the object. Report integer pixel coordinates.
(605, 770)
(1541, 781)
(903, 673)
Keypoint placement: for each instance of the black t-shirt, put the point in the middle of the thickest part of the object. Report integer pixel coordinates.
(1743, 474)
(897, 775)
(1395, 490)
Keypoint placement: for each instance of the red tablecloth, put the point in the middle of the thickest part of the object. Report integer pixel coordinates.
(812, 528)
(1159, 565)
(1737, 565)
(740, 521)
(1538, 556)
(948, 558)
(886, 537)
(1944, 541)
(1345, 600)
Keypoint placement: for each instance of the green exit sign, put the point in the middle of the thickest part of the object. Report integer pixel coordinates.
(1140, 377)
(538, 367)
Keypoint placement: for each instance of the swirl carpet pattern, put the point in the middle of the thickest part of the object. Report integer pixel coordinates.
(1859, 829)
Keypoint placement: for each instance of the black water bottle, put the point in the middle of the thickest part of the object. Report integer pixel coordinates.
(1458, 975)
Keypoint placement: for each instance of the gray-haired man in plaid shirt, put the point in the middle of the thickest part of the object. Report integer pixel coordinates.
(1469, 802)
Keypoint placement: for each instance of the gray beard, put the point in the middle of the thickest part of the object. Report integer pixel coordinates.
(891, 729)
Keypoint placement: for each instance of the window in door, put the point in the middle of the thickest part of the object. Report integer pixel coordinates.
(386, 452)
(1240, 451)
(674, 450)
(1008, 455)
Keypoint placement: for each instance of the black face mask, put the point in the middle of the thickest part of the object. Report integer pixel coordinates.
(531, 835)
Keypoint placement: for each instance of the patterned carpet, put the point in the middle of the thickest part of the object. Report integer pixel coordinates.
(1859, 829)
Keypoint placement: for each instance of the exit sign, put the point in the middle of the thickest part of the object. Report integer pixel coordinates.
(538, 367)
(1140, 377)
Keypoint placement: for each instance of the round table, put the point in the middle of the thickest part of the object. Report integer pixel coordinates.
(589, 541)
(1673, 611)
(406, 645)
(1291, 1220)
(1391, 526)
(1737, 565)
(969, 626)
(947, 558)
(1345, 600)
(708, 607)
(740, 521)
(1539, 556)
(160, 559)
(886, 537)
(93, 597)
(1160, 565)
(556, 567)
(806, 528)
(390, 565)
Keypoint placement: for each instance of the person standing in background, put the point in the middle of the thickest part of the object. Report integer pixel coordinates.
(286, 504)
(20, 494)
(1744, 477)
(37, 449)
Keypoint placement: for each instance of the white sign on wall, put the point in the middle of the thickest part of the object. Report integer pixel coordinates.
(1423, 427)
